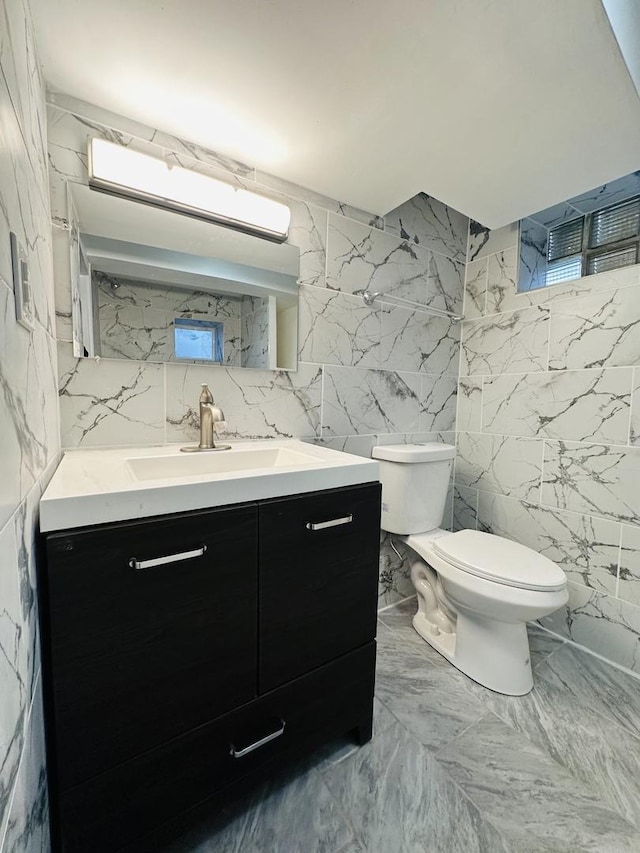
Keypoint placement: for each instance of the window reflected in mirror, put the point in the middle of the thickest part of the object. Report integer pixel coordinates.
(201, 340)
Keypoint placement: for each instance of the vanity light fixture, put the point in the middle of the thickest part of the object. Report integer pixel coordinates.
(124, 172)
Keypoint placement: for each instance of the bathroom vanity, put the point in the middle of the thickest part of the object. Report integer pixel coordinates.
(187, 653)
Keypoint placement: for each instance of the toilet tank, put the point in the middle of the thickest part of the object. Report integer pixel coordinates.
(415, 480)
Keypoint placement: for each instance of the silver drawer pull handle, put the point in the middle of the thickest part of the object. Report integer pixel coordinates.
(239, 753)
(335, 522)
(170, 558)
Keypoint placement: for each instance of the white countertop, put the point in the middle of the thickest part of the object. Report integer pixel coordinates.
(99, 486)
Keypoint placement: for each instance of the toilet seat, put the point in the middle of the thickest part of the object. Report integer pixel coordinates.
(499, 560)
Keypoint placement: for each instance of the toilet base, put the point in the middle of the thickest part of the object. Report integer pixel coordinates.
(495, 654)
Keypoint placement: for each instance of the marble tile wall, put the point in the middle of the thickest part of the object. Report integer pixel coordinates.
(534, 241)
(29, 433)
(548, 435)
(365, 374)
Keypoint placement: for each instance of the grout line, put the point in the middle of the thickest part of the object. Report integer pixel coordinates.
(164, 403)
(548, 320)
(322, 378)
(463, 793)
(549, 301)
(484, 713)
(395, 604)
(549, 655)
(481, 811)
(581, 442)
(635, 373)
(342, 809)
(588, 289)
(553, 634)
(477, 508)
(497, 252)
(617, 592)
(486, 285)
(543, 442)
(326, 248)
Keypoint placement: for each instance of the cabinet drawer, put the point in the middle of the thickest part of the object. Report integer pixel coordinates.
(143, 654)
(112, 810)
(318, 579)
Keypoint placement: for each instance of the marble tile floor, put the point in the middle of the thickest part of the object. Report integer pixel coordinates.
(455, 768)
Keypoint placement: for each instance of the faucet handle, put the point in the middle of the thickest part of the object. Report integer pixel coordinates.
(206, 401)
(210, 415)
(205, 395)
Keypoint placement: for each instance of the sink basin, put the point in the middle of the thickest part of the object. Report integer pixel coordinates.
(121, 484)
(221, 462)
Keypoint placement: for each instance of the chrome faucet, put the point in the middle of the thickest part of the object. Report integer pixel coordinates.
(210, 414)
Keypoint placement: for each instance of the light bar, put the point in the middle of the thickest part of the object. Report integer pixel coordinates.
(122, 171)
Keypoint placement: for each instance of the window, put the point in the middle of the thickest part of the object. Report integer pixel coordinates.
(596, 242)
(201, 340)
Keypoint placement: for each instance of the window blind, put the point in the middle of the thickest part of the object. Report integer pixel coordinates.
(612, 260)
(565, 240)
(566, 269)
(619, 222)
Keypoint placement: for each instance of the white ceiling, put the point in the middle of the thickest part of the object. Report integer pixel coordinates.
(497, 107)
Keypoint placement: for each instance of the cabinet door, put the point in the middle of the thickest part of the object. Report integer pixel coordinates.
(318, 579)
(145, 648)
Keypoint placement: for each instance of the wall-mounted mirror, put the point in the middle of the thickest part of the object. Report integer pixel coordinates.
(153, 285)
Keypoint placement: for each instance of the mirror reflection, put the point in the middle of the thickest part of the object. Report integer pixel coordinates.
(154, 285)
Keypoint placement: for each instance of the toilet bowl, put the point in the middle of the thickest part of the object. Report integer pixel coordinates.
(476, 591)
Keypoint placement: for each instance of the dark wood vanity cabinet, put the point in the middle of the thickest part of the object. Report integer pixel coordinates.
(183, 655)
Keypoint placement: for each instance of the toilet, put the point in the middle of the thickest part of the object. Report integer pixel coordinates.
(476, 591)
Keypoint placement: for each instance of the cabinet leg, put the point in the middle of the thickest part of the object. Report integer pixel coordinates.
(364, 731)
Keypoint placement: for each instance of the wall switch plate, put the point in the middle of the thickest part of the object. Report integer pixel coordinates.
(21, 286)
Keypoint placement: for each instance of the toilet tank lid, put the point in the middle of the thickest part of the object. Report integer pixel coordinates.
(432, 451)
